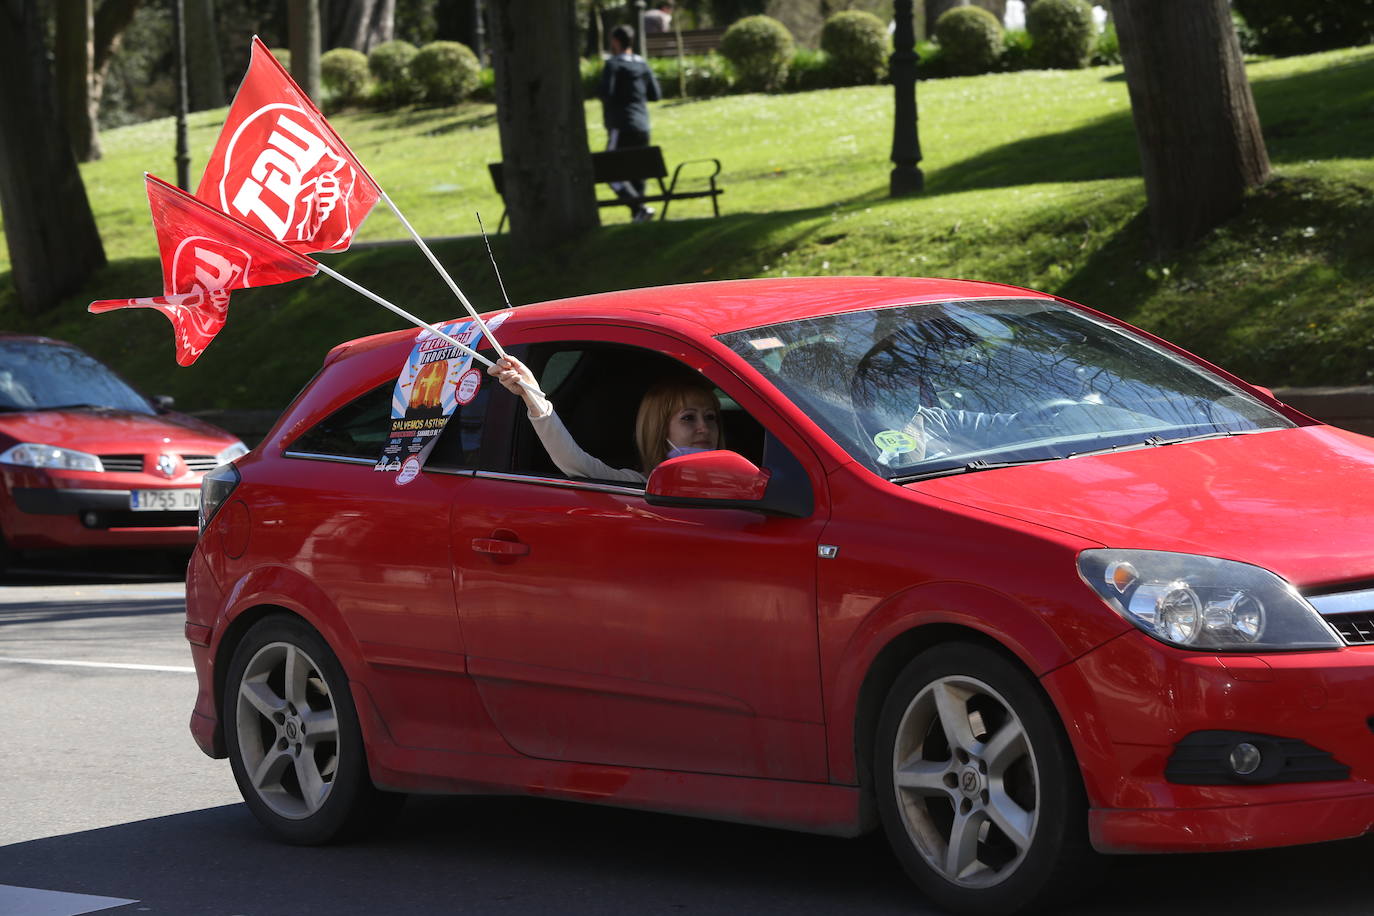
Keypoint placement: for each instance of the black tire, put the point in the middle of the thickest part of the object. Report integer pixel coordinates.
(294, 742)
(977, 786)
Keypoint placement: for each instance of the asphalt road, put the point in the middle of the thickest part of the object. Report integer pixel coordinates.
(106, 805)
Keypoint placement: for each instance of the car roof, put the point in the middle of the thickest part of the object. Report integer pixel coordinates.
(734, 305)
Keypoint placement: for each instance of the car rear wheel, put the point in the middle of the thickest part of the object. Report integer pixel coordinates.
(977, 786)
(294, 742)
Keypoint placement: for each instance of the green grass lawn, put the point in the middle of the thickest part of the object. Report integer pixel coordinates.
(1032, 178)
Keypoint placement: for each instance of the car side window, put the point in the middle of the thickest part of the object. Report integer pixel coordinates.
(360, 428)
(356, 430)
(596, 389)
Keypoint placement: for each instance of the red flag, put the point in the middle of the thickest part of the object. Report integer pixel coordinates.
(196, 317)
(204, 250)
(279, 167)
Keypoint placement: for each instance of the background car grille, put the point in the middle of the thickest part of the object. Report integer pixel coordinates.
(1351, 613)
(121, 462)
(198, 464)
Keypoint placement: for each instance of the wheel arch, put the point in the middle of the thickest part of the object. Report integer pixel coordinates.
(271, 591)
(884, 670)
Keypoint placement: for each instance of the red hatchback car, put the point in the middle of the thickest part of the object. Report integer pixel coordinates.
(88, 462)
(1002, 574)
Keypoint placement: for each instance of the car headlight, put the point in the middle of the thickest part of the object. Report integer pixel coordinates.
(38, 455)
(237, 450)
(1206, 603)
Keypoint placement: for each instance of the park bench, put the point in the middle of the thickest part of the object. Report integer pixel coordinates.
(694, 42)
(638, 164)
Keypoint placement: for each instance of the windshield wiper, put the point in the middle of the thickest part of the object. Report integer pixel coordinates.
(1156, 441)
(970, 468)
(72, 407)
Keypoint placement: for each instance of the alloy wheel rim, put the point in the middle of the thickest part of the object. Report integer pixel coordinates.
(288, 730)
(967, 783)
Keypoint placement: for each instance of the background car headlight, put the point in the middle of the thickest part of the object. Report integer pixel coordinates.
(37, 455)
(1204, 603)
(237, 450)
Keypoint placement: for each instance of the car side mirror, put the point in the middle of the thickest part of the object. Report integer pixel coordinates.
(714, 479)
(1266, 391)
(163, 402)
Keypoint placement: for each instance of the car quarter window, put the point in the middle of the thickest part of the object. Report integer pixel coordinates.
(596, 389)
(360, 428)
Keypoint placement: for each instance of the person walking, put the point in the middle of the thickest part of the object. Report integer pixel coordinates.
(627, 86)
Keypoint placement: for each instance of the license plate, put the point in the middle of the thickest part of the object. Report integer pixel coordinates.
(164, 500)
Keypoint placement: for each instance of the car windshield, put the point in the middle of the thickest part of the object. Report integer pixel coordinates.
(925, 390)
(47, 376)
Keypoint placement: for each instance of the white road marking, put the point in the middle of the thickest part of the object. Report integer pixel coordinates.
(181, 669)
(30, 901)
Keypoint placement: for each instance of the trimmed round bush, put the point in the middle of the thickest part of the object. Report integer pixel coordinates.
(283, 56)
(1287, 27)
(760, 49)
(446, 71)
(344, 74)
(1062, 33)
(857, 44)
(390, 65)
(970, 40)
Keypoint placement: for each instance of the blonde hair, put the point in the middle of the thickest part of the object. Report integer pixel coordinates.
(656, 411)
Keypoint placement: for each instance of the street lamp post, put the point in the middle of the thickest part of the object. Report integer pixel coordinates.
(906, 146)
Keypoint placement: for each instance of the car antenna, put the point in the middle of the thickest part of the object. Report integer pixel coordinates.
(494, 268)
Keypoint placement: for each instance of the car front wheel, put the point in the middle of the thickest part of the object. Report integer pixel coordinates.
(294, 742)
(977, 786)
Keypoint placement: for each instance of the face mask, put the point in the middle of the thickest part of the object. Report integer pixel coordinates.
(675, 451)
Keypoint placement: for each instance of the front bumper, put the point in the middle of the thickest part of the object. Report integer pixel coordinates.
(48, 516)
(1130, 702)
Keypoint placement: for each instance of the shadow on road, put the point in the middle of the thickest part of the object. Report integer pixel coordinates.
(96, 567)
(522, 856)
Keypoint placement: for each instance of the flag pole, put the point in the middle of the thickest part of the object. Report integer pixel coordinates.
(419, 322)
(443, 273)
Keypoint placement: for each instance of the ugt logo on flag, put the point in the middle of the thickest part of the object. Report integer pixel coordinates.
(280, 168)
(283, 179)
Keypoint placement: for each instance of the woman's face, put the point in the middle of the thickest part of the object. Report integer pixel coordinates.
(696, 424)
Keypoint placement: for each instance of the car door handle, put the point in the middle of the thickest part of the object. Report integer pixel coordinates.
(500, 547)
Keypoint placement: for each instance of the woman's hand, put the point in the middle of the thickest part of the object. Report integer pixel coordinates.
(510, 372)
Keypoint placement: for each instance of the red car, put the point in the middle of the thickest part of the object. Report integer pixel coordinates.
(999, 573)
(88, 462)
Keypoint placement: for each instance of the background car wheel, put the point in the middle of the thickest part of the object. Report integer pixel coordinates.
(977, 786)
(294, 742)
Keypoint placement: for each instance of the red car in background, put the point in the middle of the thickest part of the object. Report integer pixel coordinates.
(88, 462)
(1001, 574)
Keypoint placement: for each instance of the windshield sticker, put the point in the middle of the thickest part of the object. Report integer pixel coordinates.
(766, 343)
(433, 382)
(895, 441)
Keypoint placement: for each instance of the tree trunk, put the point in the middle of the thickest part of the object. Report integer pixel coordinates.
(203, 64)
(548, 169)
(304, 29)
(111, 19)
(75, 61)
(383, 28)
(1195, 121)
(53, 243)
(355, 25)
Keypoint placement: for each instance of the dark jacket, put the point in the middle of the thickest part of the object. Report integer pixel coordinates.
(627, 84)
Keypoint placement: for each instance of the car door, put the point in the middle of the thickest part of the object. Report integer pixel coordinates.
(601, 629)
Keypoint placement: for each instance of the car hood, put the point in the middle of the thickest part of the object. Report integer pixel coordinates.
(1299, 502)
(107, 431)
